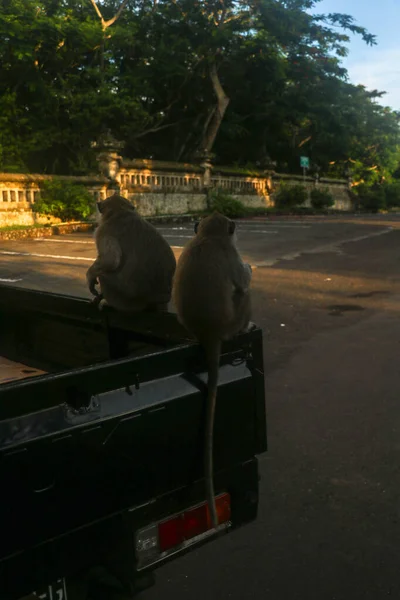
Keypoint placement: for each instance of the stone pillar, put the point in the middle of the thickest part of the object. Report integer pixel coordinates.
(109, 163)
(109, 159)
(269, 170)
(317, 170)
(348, 176)
(207, 166)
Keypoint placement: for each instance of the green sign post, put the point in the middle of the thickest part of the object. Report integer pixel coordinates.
(305, 164)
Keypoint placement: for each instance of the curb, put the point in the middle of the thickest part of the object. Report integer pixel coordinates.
(48, 230)
(84, 227)
(79, 227)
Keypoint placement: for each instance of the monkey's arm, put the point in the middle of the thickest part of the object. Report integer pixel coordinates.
(241, 277)
(108, 260)
(91, 278)
(248, 273)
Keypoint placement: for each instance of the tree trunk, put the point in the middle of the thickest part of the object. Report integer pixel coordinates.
(222, 104)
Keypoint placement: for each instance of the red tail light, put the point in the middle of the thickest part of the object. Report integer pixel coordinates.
(158, 540)
(191, 523)
(195, 521)
(170, 533)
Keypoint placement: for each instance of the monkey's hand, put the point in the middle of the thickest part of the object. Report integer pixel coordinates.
(96, 300)
(248, 270)
(92, 281)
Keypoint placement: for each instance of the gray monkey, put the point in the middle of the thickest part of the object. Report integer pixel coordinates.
(135, 265)
(212, 299)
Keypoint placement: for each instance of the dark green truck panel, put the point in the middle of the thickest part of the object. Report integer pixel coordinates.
(111, 439)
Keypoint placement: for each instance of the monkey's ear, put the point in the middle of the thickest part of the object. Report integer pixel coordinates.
(196, 226)
(98, 204)
(231, 227)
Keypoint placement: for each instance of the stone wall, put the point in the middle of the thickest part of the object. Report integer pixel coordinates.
(18, 193)
(152, 204)
(160, 188)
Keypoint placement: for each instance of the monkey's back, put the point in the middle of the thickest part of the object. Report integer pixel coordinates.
(203, 290)
(147, 265)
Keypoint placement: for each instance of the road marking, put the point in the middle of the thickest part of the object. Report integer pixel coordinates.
(92, 242)
(290, 225)
(240, 229)
(176, 228)
(170, 236)
(281, 224)
(9, 280)
(332, 247)
(257, 230)
(62, 241)
(36, 255)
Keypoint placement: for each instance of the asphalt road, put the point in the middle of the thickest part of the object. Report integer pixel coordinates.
(327, 295)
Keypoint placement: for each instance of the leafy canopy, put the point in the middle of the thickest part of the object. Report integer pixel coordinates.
(150, 72)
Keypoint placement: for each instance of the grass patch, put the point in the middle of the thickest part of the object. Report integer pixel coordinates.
(23, 227)
(388, 211)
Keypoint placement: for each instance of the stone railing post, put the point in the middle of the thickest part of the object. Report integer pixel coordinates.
(109, 159)
(316, 176)
(206, 164)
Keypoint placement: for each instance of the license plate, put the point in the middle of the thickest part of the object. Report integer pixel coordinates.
(54, 591)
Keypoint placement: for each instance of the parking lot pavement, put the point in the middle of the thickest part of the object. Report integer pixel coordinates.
(58, 263)
(327, 296)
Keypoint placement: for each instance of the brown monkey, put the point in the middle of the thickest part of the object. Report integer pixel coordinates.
(212, 299)
(135, 264)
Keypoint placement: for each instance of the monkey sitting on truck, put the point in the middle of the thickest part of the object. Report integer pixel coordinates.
(135, 265)
(212, 299)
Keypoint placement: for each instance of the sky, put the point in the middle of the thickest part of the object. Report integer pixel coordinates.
(376, 67)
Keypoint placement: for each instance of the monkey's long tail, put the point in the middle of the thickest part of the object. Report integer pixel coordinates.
(213, 353)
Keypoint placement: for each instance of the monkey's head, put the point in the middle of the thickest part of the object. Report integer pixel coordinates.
(113, 205)
(215, 224)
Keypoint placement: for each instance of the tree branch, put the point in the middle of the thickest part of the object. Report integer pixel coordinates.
(105, 24)
(153, 130)
(96, 8)
(117, 15)
(305, 141)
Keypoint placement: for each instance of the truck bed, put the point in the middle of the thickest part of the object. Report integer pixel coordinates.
(11, 370)
(104, 432)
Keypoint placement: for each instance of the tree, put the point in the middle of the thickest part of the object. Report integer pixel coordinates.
(251, 68)
(246, 80)
(56, 100)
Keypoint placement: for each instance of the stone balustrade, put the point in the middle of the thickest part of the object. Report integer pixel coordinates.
(18, 193)
(160, 187)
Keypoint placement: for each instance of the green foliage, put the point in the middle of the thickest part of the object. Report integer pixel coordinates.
(321, 198)
(64, 200)
(225, 204)
(372, 199)
(290, 196)
(64, 82)
(23, 227)
(392, 193)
